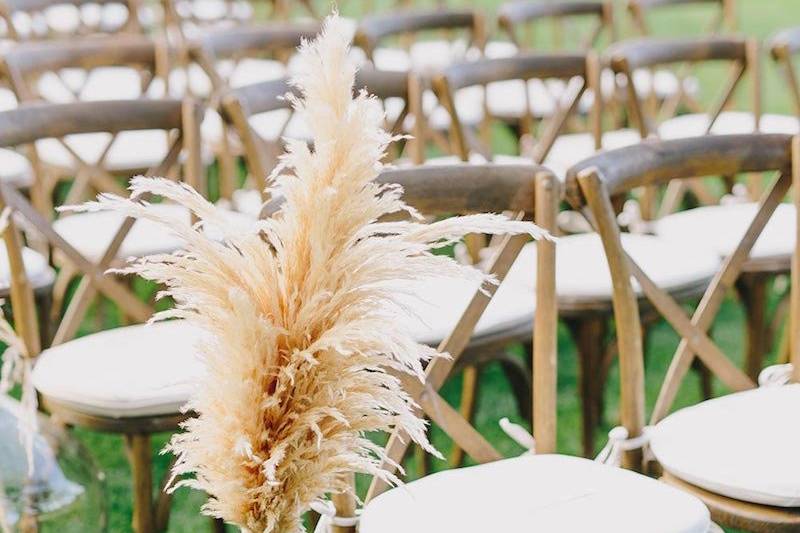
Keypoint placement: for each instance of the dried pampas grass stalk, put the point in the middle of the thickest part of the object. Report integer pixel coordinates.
(300, 337)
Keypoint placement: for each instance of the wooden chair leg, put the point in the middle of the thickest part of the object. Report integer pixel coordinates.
(752, 288)
(469, 392)
(217, 525)
(140, 458)
(589, 334)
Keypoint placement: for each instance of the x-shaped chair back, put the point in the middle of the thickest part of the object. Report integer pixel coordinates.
(239, 104)
(723, 16)
(591, 187)
(579, 71)
(532, 192)
(30, 123)
(33, 20)
(521, 19)
(26, 66)
(784, 47)
(681, 55)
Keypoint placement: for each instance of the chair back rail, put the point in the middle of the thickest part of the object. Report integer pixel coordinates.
(591, 187)
(36, 10)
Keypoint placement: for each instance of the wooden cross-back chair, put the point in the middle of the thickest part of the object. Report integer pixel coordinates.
(738, 453)
(784, 47)
(723, 19)
(98, 68)
(34, 20)
(718, 225)
(102, 381)
(84, 245)
(584, 300)
(234, 57)
(497, 493)
(401, 41)
(261, 117)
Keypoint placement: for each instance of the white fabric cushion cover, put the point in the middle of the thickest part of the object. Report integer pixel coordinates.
(141, 370)
(15, 169)
(582, 270)
(742, 445)
(728, 123)
(37, 269)
(573, 148)
(721, 227)
(92, 233)
(547, 493)
(431, 308)
(132, 150)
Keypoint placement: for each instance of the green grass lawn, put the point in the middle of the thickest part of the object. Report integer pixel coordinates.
(758, 18)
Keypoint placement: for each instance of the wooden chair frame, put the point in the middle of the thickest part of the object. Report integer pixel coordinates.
(646, 113)
(783, 48)
(36, 122)
(36, 8)
(28, 124)
(515, 17)
(591, 187)
(525, 66)
(529, 191)
(724, 19)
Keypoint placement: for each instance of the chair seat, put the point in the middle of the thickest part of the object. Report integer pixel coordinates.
(133, 371)
(37, 270)
(436, 305)
(102, 83)
(743, 445)
(478, 159)
(15, 169)
(729, 122)
(269, 126)
(132, 150)
(572, 148)
(548, 493)
(721, 227)
(582, 275)
(92, 233)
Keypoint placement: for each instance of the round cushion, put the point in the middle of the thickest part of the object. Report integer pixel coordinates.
(721, 227)
(434, 306)
(92, 233)
(142, 370)
(37, 269)
(573, 148)
(552, 493)
(582, 273)
(729, 122)
(742, 445)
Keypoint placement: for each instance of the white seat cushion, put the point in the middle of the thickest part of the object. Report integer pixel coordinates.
(142, 370)
(478, 159)
(721, 227)
(664, 82)
(102, 83)
(547, 493)
(436, 305)
(582, 271)
(92, 233)
(742, 445)
(729, 122)
(575, 147)
(37, 269)
(132, 150)
(15, 169)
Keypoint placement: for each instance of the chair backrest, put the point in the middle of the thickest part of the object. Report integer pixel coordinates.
(783, 48)
(593, 184)
(220, 52)
(239, 105)
(33, 20)
(640, 62)
(724, 14)
(32, 123)
(532, 192)
(376, 29)
(86, 69)
(519, 19)
(578, 71)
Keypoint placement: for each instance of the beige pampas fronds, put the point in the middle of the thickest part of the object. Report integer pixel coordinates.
(299, 311)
